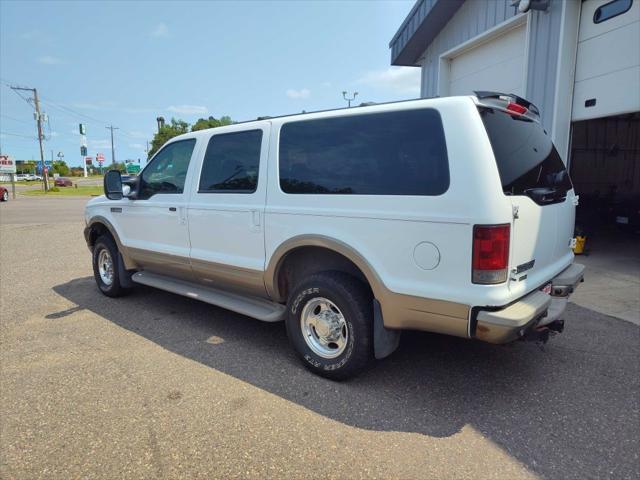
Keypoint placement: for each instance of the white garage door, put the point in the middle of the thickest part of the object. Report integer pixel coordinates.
(496, 65)
(608, 60)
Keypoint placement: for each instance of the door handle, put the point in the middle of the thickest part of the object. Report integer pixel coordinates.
(255, 218)
(172, 209)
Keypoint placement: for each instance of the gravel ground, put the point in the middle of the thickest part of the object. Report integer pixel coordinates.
(159, 386)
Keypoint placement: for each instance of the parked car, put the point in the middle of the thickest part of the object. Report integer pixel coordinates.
(4, 194)
(22, 177)
(62, 182)
(450, 215)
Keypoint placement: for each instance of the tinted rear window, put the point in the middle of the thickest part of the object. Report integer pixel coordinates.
(231, 163)
(391, 153)
(524, 153)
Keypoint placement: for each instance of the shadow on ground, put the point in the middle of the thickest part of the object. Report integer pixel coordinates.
(568, 410)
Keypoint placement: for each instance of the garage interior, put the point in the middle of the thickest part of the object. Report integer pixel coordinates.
(605, 170)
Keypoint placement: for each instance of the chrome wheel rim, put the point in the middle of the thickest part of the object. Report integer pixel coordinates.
(105, 266)
(5, 196)
(324, 328)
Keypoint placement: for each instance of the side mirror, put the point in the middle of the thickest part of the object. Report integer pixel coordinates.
(113, 185)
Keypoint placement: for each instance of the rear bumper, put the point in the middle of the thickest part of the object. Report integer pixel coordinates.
(534, 310)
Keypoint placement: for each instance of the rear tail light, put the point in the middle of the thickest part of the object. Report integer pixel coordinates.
(516, 108)
(490, 253)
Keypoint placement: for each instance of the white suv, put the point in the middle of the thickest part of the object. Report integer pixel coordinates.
(450, 215)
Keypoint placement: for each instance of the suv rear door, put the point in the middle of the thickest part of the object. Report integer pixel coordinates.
(535, 178)
(226, 211)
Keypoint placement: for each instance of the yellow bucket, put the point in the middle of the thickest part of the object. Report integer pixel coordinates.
(580, 241)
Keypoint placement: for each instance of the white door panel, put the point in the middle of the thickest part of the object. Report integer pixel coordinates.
(154, 226)
(607, 63)
(226, 228)
(608, 53)
(497, 65)
(615, 93)
(589, 29)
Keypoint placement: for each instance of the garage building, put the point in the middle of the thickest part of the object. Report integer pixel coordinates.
(578, 61)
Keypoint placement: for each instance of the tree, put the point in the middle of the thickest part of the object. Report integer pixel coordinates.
(178, 127)
(61, 168)
(166, 133)
(211, 122)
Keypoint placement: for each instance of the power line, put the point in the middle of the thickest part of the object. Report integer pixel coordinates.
(14, 119)
(18, 135)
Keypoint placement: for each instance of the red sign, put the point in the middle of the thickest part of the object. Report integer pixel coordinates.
(100, 157)
(88, 160)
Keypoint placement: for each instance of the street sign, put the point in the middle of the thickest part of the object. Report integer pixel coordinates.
(88, 160)
(7, 164)
(83, 129)
(83, 151)
(100, 158)
(133, 168)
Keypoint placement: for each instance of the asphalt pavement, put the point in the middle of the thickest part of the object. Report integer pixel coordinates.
(155, 385)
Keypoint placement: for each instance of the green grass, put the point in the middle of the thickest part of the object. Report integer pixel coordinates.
(81, 191)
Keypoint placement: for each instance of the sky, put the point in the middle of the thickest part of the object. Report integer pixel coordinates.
(126, 63)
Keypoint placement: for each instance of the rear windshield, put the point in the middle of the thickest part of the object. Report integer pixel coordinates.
(527, 160)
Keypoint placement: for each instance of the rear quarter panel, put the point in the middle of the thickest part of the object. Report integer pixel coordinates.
(386, 230)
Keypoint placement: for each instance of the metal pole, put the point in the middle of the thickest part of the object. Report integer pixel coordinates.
(45, 180)
(113, 151)
(40, 135)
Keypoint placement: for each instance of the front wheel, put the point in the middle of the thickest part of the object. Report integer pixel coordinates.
(105, 267)
(5, 196)
(329, 323)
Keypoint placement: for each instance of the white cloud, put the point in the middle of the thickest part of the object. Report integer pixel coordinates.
(188, 109)
(138, 134)
(160, 30)
(49, 60)
(95, 106)
(401, 80)
(137, 146)
(302, 93)
(99, 144)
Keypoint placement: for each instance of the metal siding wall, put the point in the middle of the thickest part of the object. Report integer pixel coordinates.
(473, 18)
(477, 16)
(544, 40)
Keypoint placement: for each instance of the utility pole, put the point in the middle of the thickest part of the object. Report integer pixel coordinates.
(349, 100)
(38, 116)
(113, 151)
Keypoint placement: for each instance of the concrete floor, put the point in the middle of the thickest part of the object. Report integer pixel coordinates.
(612, 278)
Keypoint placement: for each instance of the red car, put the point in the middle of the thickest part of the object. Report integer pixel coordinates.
(62, 182)
(4, 194)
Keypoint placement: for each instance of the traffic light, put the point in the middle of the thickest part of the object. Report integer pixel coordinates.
(83, 129)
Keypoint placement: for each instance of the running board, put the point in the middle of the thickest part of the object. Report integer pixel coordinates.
(252, 307)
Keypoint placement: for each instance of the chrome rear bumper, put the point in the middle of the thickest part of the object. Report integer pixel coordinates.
(535, 310)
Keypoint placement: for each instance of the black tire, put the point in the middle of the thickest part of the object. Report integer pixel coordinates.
(114, 289)
(5, 196)
(355, 304)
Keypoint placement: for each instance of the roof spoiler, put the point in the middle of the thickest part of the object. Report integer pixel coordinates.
(512, 96)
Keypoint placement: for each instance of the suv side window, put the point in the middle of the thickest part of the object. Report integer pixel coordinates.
(390, 153)
(231, 163)
(167, 171)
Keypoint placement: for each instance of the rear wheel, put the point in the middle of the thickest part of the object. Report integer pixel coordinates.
(105, 267)
(329, 323)
(5, 196)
